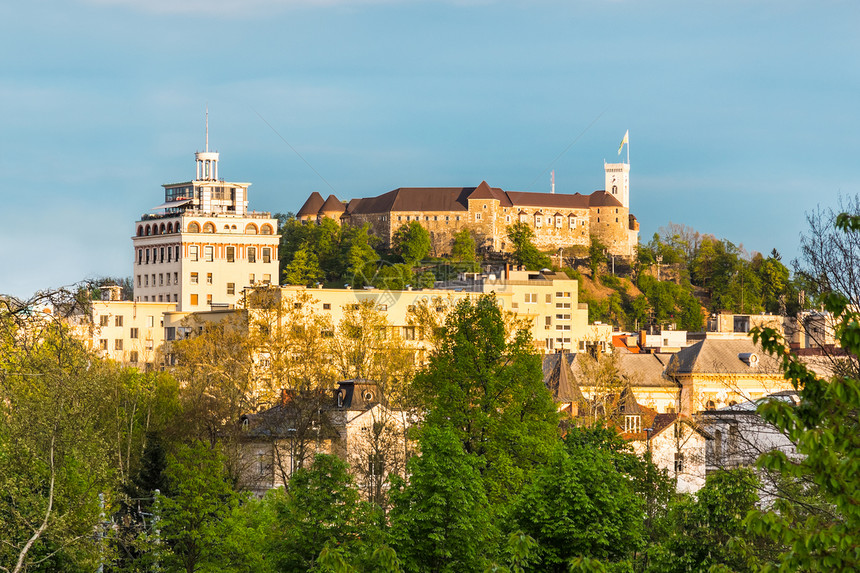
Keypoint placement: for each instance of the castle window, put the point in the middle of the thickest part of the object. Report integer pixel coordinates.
(458, 217)
(485, 206)
(435, 217)
(616, 219)
(477, 216)
(598, 219)
(399, 218)
(507, 218)
(615, 189)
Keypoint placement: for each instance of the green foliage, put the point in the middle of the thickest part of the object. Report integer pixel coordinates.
(596, 255)
(442, 520)
(321, 508)
(463, 249)
(304, 269)
(488, 386)
(195, 509)
(579, 504)
(524, 251)
(825, 429)
(411, 242)
(708, 531)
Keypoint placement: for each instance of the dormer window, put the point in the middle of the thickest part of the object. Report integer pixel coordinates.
(632, 424)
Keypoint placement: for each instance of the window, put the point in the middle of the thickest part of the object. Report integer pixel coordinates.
(194, 279)
(161, 252)
(679, 462)
(562, 305)
(176, 278)
(538, 221)
(132, 356)
(117, 344)
(147, 255)
(103, 345)
(176, 252)
(562, 327)
(104, 320)
(193, 227)
(168, 279)
(251, 279)
(231, 254)
(531, 298)
(193, 300)
(267, 255)
(133, 332)
(267, 279)
(632, 424)
(209, 278)
(326, 306)
(477, 216)
(231, 288)
(409, 332)
(193, 252)
(118, 321)
(252, 254)
(376, 464)
(208, 299)
(562, 317)
(161, 279)
(138, 280)
(558, 222)
(150, 321)
(548, 297)
(208, 228)
(208, 254)
(548, 321)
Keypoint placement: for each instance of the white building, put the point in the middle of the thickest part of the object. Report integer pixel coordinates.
(203, 246)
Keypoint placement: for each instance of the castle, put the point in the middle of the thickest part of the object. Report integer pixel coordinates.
(558, 220)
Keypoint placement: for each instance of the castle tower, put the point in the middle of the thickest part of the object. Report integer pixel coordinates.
(618, 181)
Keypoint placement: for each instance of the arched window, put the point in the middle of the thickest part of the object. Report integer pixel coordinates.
(233, 227)
(140, 230)
(208, 228)
(170, 227)
(161, 229)
(710, 405)
(615, 189)
(250, 229)
(266, 229)
(193, 227)
(148, 231)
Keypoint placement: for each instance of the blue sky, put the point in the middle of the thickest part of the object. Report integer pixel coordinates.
(743, 115)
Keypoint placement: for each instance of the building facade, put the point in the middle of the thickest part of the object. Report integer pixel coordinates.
(203, 246)
(558, 220)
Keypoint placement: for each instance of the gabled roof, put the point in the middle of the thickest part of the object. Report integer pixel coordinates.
(603, 199)
(332, 205)
(559, 380)
(312, 206)
(484, 191)
(663, 421)
(723, 356)
(643, 369)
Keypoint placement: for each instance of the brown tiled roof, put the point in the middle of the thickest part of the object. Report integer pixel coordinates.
(603, 199)
(484, 191)
(416, 199)
(551, 200)
(559, 380)
(333, 205)
(312, 205)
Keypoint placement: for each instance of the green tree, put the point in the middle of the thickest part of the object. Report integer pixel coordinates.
(463, 249)
(321, 508)
(579, 504)
(487, 384)
(708, 531)
(194, 512)
(596, 255)
(824, 427)
(304, 269)
(524, 250)
(441, 521)
(411, 242)
(358, 256)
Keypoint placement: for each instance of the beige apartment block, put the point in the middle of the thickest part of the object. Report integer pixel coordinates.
(129, 332)
(202, 246)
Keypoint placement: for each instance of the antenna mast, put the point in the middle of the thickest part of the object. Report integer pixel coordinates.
(207, 128)
(552, 189)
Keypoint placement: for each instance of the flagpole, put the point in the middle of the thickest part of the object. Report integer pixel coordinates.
(628, 149)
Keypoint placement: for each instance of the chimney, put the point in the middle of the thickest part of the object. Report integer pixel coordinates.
(642, 339)
(507, 271)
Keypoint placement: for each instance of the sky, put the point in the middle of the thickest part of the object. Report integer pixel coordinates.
(742, 115)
